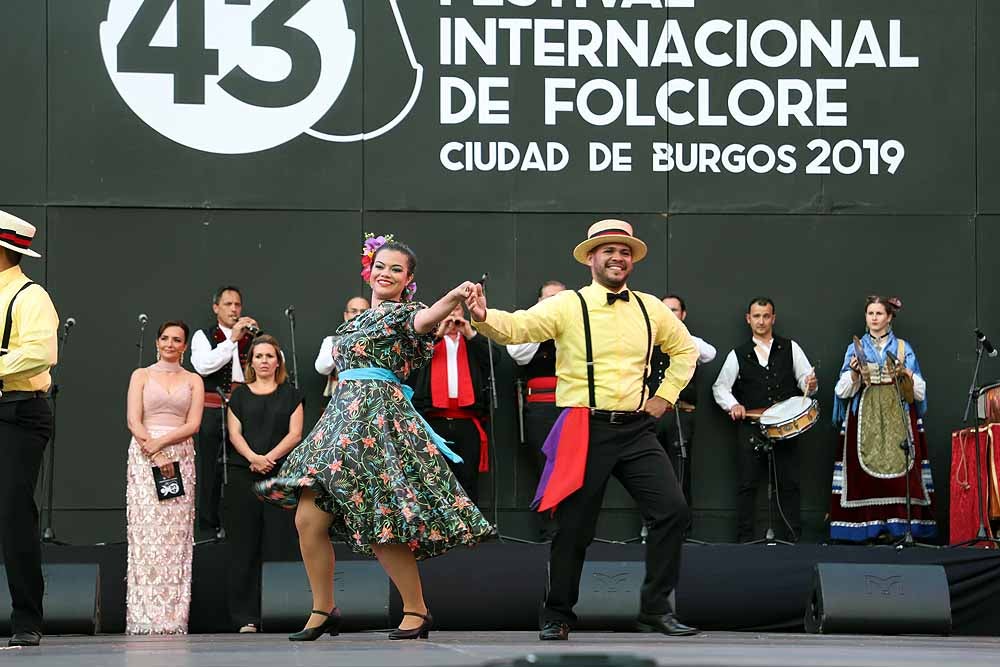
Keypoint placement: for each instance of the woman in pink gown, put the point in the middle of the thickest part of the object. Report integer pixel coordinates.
(164, 412)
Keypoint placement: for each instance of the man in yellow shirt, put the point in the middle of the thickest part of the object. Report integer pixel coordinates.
(604, 336)
(27, 351)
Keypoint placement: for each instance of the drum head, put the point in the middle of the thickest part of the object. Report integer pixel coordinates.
(787, 409)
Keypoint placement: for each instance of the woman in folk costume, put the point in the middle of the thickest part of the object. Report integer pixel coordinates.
(372, 472)
(870, 475)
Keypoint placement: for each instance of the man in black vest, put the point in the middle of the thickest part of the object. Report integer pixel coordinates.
(536, 371)
(680, 420)
(765, 370)
(219, 355)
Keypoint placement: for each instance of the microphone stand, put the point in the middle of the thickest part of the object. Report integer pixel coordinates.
(981, 534)
(48, 532)
(908, 453)
(495, 490)
(220, 535)
(290, 314)
(141, 342)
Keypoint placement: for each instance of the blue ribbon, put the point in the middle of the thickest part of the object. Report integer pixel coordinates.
(386, 375)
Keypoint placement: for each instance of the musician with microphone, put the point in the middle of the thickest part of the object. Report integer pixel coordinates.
(28, 349)
(762, 372)
(868, 503)
(219, 355)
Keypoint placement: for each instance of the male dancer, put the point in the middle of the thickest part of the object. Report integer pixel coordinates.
(605, 334)
(28, 348)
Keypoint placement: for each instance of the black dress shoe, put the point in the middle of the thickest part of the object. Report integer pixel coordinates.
(554, 630)
(331, 625)
(29, 638)
(420, 632)
(666, 624)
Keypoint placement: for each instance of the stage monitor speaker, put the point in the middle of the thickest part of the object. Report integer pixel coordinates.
(860, 598)
(72, 600)
(609, 595)
(360, 586)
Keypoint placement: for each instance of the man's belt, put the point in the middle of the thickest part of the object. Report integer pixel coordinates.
(617, 417)
(13, 396)
(541, 390)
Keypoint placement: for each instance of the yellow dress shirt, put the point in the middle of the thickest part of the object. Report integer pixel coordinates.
(32, 349)
(618, 333)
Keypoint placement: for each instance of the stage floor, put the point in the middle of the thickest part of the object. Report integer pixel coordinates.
(372, 649)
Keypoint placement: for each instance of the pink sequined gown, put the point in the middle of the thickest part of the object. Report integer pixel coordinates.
(160, 534)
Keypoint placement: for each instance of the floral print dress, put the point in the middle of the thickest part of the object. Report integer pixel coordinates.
(369, 458)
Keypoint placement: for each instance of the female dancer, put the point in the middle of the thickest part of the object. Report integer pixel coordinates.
(372, 471)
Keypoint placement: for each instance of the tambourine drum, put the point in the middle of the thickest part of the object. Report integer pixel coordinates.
(789, 418)
(989, 403)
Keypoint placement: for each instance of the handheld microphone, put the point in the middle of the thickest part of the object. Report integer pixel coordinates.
(69, 323)
(143, 320)
(985, 342)
(290, 312)
(482, 281)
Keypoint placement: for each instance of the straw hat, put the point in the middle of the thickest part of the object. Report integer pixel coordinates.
(16, 234)
(609, 231)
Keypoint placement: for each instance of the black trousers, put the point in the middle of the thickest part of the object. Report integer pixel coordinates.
(250, 525)
(465, 436)
(667, 434)
(633, 455)
(25, 428)
(753, 467)
(208, 449)
(538, 421)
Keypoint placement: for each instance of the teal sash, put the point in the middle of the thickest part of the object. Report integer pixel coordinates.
(386, 375)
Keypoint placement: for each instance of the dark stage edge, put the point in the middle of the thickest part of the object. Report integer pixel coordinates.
(456, 649)
(498, 586)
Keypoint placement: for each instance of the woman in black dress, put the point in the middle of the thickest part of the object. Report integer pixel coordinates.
(265, 424)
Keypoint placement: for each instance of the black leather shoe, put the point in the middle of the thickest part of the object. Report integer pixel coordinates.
(420, 632)
(331, 625)
(29, 638)
(554, 630)
(666, 624)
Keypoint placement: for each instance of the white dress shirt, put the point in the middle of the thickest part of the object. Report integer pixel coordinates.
(722, 390)
(324, 360)
(849, 384)
(451, 348)
(207, 360)
(522, 353)
(706, 351)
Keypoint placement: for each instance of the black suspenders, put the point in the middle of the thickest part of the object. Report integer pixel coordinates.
(10, 323)
(590, 353)
(590, 350)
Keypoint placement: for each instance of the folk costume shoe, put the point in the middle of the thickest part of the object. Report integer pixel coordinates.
(666, 624)
(331, 625)
(419, 632)
(554, 631)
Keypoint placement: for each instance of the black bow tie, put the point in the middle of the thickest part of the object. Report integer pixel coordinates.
(613, 296)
